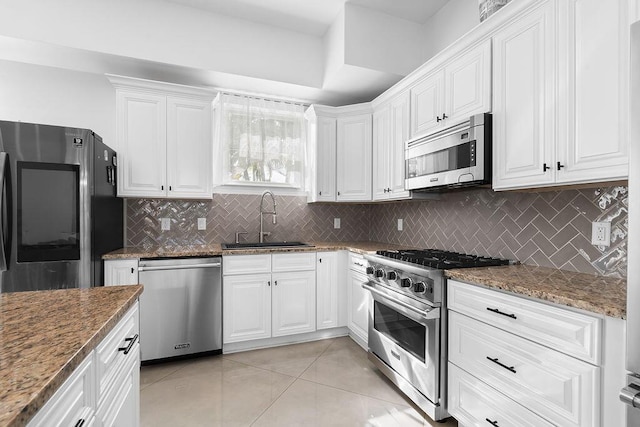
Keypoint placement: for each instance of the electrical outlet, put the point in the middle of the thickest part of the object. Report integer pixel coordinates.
(336, 222)
(601, 233)
(165, 224)
(202, 223)
(400, 224)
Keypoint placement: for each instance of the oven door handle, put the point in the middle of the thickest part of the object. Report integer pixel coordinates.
(434, 313)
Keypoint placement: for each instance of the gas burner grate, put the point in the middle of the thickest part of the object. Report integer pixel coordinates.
(435, 258)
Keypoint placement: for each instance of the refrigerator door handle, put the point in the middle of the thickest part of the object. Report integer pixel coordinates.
(5, 212)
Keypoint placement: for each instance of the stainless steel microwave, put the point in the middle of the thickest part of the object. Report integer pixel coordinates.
(458, 156)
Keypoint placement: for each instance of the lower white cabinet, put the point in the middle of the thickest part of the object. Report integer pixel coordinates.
(278, 299)
(358, 300)
(104, 390)
(120, 272)
(502, 367)
(331, 295)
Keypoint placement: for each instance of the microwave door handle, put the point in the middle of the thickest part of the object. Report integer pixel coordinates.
(5, 212)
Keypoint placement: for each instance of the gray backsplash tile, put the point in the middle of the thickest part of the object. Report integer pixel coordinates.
(550, 228)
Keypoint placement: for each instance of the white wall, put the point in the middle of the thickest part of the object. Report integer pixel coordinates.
(168, 33)
(381, 42)
(456, 18)
(37, 94)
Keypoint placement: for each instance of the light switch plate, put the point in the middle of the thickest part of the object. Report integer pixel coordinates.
(202, 223)
(336, 222)
(400, 224)
(165, 224)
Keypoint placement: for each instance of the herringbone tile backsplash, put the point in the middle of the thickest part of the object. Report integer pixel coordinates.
(551, 228)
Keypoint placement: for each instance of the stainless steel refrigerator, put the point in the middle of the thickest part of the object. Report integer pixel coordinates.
(58, 207)
(631, 393)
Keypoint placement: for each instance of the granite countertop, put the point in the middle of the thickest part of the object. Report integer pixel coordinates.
(216, 250)
(597, 294)
(45, 335)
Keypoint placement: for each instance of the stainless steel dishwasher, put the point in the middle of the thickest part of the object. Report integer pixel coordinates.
(181, 307)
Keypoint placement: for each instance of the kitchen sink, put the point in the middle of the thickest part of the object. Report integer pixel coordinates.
(248, 245)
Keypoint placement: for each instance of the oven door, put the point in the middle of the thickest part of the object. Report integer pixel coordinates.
(405, 334)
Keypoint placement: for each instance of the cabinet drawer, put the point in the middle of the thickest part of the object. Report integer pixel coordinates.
(109, 359)
(357, 263)
(557, 387)
(246, 264)
(293, 262)
(74, 401)
(576, 334)
(472, 402)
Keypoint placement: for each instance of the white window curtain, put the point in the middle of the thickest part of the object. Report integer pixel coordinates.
(262, 141)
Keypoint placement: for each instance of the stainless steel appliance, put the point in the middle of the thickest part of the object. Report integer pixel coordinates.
(59, 212)
(408, 322)
(458, 156)
(181, 307)
(631, 393)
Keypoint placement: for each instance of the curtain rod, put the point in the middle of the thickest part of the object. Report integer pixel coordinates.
(264, 98)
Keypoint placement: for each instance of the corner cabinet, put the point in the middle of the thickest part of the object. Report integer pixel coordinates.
(452, 93)
(359, 300)
(561, 94)
(340, 154)
(164, 139)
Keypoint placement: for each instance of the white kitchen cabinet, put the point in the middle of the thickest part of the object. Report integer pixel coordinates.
(390, 132)
(507, 345)
(453, 92)
(256, 307)
(121, 272)
(104, 390)
(594, 70)
(293, 297)
(164, 139)
(331, 295)
(246, 307)
(561, 95)
(354, 152)
(358, 300)
(322, 154)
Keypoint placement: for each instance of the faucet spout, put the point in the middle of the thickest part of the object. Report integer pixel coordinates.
(264, 212)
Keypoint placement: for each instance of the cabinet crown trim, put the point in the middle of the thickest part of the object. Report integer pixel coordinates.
(157, 87)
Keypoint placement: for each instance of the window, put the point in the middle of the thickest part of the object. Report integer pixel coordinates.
(262, 141)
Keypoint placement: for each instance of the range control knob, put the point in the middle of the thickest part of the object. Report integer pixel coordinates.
(370, 270)
(379, 272)
(406, 282)
(419, 288)
(392, 275)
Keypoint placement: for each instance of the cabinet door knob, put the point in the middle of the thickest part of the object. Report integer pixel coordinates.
(162, 187)
(545, 167)
(438, 119)
(269, 283)
(319, 193)
(560, 165)
(131, 270)
(444, 116)
(338, 193)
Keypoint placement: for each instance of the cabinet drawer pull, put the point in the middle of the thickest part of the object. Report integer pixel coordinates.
(131, 342)
(493, 423)
(495, 310)
(358, 264)
(508, 368)
(394, 354)
(80, 423)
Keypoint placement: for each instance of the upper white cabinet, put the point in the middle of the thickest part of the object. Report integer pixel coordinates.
(354, 158)
(390, 132)
(322, 155)
(561, 94)
(451, 93)
(524, 107)
(340, 153)
(164, 139)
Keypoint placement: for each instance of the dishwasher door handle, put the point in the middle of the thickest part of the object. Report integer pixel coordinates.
(180, 267)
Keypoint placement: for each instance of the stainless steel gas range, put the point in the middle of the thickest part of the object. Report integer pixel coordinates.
(408, 322)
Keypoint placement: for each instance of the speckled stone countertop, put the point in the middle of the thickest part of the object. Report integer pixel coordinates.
(45, 335)
(216, 249)
(602, 295)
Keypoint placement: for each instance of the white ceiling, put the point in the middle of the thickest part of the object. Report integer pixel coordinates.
(312, 16)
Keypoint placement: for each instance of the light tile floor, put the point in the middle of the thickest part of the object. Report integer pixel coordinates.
(322, 383)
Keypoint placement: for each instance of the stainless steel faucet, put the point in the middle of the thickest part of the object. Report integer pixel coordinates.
(263, 212)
